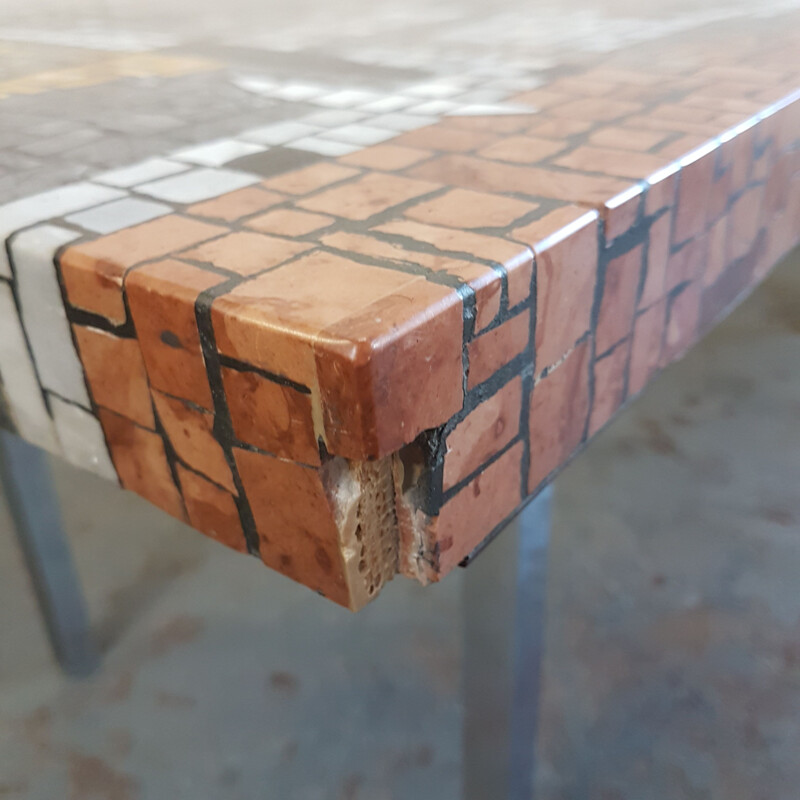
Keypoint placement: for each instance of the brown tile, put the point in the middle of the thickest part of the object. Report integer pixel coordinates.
(745, 222)
(309, 179)
(687, 263)
(295, 522)
(517, 259)
(141, 462)
(467, 518)
(558, 412)
(392, 370)
(661, 190)
(717, 247)
(486, 430)
(271, 416)
(211, 510)
(622, 164)
(678, 148)
(190, 431)
(583, 86)
(501, 123)
(543, 98)
(598, 109)
(115, 373)
(551, 223)
(521, 149)
(246, 253)
(629, 139)
(619, 299)
(566, 273)
(621, 212)
(492, 350)
(162, 299)
(491, 176)
(646, 348)
(386, 157)
(288, 222)
(445, 138)
(657, 256)
(235, 205)
(683, 315)
(92, 272)
(372, 194)
(609, 385)
(355, 345)
(559, 129)
(694, 187)
(272, 321)
(462, 208)
(482, 279)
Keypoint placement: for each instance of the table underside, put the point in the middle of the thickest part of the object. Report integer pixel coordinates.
(359, 365)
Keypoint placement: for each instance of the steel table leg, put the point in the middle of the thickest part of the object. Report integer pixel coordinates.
(504, 608)
(33, 504)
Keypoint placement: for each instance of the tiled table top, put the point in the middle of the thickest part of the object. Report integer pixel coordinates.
(355, 341)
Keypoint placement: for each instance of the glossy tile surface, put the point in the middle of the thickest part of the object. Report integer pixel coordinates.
(354, 342)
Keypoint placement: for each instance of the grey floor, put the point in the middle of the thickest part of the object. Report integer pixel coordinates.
(673, 661)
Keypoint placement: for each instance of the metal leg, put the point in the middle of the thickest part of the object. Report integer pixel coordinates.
(504, 610)
(32, 502)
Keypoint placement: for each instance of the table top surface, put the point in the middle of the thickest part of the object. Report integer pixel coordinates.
(402, 275)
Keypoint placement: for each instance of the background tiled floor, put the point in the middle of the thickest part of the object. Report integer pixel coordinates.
(673, 661)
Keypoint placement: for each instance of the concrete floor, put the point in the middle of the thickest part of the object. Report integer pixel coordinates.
(673, 661)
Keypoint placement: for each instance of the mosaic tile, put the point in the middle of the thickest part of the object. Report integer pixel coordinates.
(196, 185)
(42, 308)
(359, 346)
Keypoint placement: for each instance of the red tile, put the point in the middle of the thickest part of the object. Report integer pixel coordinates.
(491, 351)
(270, 416)
(558, 412)
(657, 257)
(190, 431)
(462, 208)
(482, 433)
(684, 312)
(609, 385)
(468, 518)
(116, 374)
(694, 188)
(141, 462)
(235, 205)
(566, 272)
(211, 510)
(309, 179)
(648, 333)
(162, 299)
(619, 298)
(295, 522)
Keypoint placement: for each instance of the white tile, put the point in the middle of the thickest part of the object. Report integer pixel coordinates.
(325, 147)
(402, 122)
(297, 92)
(346, 98)
(435, 89)
(149, 170)
(433, 107)
(482, 96)
(217, 153)
(198, 184)
(118, 214)
(40, 207)
(23, 394)
(333, 117)
(491, 109)
(255, 85)
(43, 315)
(280, 132)
(362, 135)
(82, 441)
(394, 102)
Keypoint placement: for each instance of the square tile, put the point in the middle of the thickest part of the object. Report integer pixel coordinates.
(280, 133)
(325, 147)
(402, 122)
(333, 117)
(361, 135)
(144, 171)
(118, 214)
(346, 98)
(197, 185)
(217, 153)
